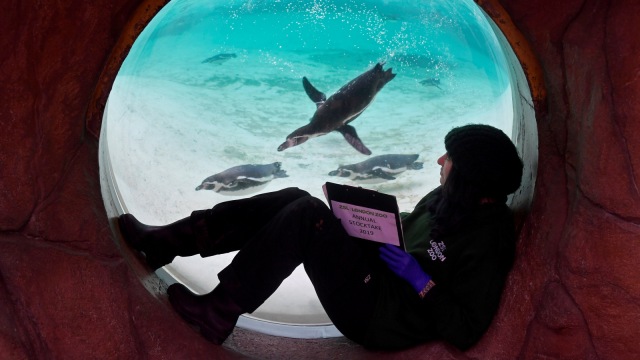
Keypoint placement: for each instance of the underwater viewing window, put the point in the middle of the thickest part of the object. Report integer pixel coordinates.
(210, 91)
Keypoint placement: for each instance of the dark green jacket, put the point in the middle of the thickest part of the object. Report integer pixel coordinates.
(469, 268)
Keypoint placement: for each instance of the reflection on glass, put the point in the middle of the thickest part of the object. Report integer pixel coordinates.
(211, 88)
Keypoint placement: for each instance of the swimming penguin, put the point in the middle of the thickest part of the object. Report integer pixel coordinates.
(379, 168)
(340, 108)
(219, 58)
(243, 179)
(431, 82)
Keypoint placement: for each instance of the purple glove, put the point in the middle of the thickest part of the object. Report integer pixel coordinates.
(405, 266)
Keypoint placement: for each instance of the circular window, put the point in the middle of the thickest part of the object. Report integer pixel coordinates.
(213, 85)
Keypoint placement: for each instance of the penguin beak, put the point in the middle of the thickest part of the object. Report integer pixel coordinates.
(291, 142)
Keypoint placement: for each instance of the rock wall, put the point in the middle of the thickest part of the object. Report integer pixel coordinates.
(68, 289)
(576, 279)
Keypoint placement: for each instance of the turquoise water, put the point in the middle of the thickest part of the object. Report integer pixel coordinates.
(174, 118)
(238, 109)
(420, 39)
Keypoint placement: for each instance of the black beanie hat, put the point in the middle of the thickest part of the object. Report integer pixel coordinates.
(485, 157)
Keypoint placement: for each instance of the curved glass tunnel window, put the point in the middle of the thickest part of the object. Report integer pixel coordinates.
(211, 85)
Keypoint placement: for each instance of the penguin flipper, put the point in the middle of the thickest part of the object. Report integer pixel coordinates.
(349, 133)
(314, 94)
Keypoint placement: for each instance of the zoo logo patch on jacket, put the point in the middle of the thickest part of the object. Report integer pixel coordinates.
(437, 250)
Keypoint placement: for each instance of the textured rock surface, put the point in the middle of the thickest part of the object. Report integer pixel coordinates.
(68, 290)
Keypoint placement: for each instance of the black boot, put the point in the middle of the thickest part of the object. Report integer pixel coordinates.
(160, 244)
(215, 313)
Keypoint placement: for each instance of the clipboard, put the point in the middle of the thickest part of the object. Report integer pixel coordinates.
(365, 213)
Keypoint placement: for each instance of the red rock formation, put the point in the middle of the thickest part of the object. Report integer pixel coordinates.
(67, 289)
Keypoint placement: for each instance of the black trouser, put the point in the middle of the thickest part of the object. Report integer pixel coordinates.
(275, 232)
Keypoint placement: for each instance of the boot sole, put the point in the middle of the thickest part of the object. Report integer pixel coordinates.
(150, 261)
(205, 330)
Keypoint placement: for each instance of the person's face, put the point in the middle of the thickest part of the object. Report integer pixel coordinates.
(445, 162)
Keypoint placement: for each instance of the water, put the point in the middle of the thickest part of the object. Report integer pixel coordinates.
(174, 119)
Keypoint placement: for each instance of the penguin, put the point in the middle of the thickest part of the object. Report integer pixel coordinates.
(341, 108)
(379, 168)
(431, 82)
(243, 179)
(219, 58)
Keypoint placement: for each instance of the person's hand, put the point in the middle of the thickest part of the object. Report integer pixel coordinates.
(405, 266)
